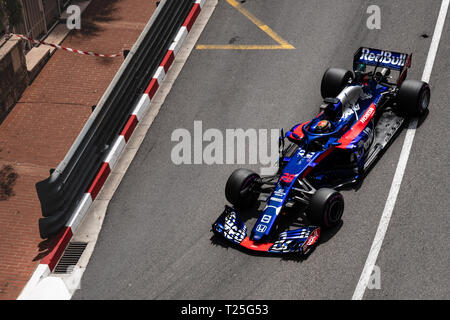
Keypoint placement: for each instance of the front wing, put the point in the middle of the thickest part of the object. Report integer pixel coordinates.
(230, 226)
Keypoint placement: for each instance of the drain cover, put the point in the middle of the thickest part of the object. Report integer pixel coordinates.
(70, 257)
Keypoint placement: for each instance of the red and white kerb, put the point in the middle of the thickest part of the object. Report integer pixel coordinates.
(110, 160)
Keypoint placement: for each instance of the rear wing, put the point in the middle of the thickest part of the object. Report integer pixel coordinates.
(385, 59)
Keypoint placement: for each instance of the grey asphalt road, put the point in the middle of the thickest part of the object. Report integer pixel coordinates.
(415, 259)
(156, 241)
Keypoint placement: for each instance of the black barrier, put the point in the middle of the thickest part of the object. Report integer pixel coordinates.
(60, 193)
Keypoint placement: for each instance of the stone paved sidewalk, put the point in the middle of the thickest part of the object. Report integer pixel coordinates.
(40, 129)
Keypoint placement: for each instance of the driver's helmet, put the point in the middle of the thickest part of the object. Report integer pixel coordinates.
(323, 126)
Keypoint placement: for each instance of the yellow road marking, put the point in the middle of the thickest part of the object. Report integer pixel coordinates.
(282, 44)
(242, 47)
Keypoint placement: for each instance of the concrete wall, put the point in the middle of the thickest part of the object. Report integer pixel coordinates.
(13, 74)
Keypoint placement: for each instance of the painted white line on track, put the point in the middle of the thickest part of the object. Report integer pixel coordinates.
(401, 166)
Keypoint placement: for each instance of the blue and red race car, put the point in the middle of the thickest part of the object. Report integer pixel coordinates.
(363, 111)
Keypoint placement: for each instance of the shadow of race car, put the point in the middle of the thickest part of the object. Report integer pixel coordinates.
(362, 112)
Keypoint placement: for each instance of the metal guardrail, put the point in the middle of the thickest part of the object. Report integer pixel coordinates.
(60, 193)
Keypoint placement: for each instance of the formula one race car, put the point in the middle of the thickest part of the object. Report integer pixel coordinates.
(363, 111)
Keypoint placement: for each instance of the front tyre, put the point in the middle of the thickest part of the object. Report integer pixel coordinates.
(334, 80)
(326, 208)
(239, 188)
(413, 98)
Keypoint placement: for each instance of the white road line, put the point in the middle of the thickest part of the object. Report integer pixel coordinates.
(401, 166)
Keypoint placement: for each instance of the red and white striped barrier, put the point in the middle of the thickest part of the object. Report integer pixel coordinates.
(88, 53)
(61, 241)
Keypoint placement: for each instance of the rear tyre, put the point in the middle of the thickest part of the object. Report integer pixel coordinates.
(239, 188)
(326, 208)
(413, 98)
(334, 80)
